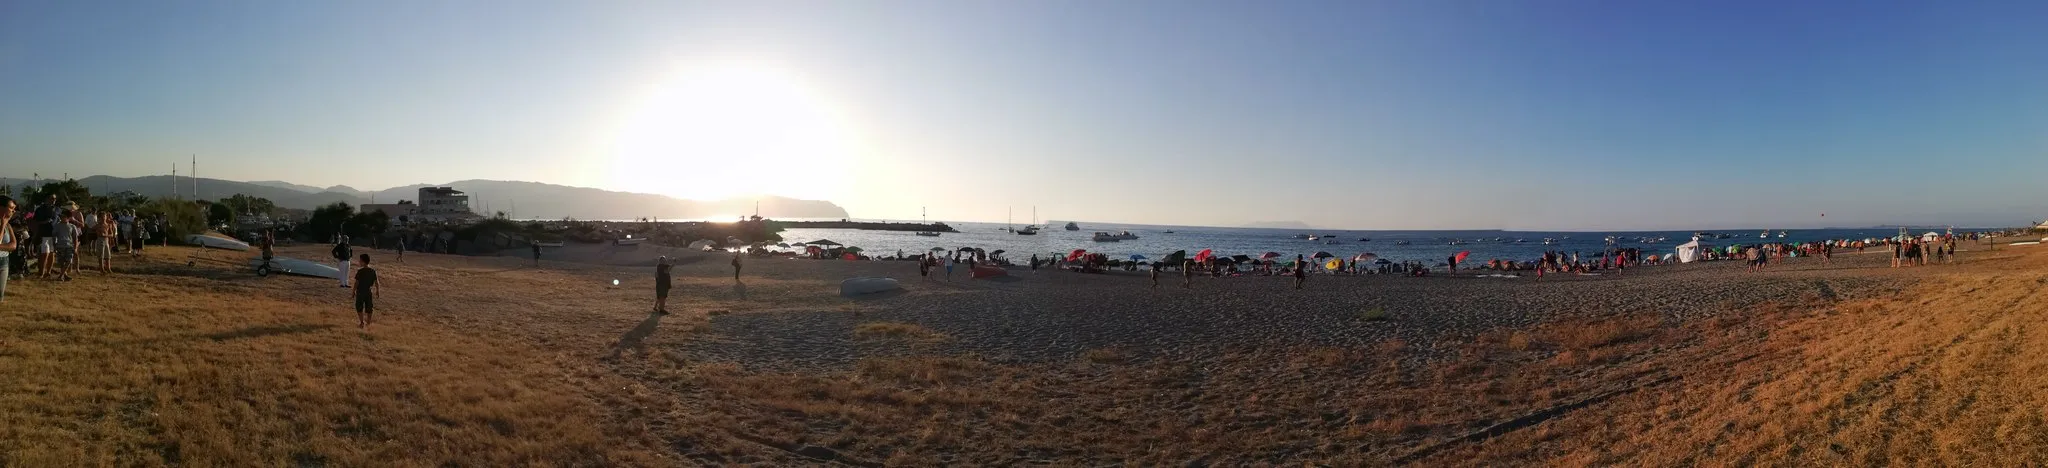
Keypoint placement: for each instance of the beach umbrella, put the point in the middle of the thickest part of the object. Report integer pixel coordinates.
(1382, 261)
(853, 249)
(1076, 254)
(1203, 256)
(1365, 256)
(1322, 255)
(968, 249)
(938, 249)
(1269, 255)
(1176, 257)
(998, 252)
(1334, 264)
(1240, 258)
(782, 244)
(824, 242)
(1137, 257)
(1461, 255)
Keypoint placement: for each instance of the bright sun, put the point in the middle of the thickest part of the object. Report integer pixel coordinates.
(733, 129)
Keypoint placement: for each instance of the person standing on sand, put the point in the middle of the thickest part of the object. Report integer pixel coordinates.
(661, 285)
(7, 242)
(1827, 253)
(536, 253)
(1300, 272)
(1155, 276)
(109, 232)
(341, 256)
(43, 224)
(366, 293)
(1187, 274)
(735, 267)
(924, 267)
(1898, 253)
(401, 248)
(1451, 261)
(949, 267)
(66, 242)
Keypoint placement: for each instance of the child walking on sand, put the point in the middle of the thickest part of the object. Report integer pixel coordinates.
(1155, 275)
(366, 292)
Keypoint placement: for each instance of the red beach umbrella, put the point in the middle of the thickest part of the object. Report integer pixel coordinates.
(1203, 256)
(1461, 256)
(1269, 255)
(1077, 254)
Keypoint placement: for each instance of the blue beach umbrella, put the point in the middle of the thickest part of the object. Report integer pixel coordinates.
(1137, 257)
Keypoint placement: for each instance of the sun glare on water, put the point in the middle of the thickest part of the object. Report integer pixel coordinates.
(732, 129)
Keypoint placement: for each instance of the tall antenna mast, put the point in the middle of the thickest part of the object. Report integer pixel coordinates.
(174, 181)
(195, 176)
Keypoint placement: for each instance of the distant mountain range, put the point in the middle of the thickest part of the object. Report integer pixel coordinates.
(529, 200)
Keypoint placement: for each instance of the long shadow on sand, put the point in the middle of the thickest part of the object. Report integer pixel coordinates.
(740, 289)
(634, 338)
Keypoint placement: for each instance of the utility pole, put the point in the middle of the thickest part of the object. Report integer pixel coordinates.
(174, 181)
(195, 176)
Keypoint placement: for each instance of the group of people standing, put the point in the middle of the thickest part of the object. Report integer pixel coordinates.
(1922, 251)
(47, 240)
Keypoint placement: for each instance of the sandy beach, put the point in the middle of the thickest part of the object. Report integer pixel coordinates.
(492, 361)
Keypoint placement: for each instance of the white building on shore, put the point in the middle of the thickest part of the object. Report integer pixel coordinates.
(434, 205)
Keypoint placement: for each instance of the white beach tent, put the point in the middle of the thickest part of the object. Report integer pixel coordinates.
(1690, 252)
(1930, 236)
(702, 244)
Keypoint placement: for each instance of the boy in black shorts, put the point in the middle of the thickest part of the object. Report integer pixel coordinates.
(366, 292)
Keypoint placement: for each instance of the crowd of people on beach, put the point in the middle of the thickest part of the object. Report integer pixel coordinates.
(46, 241)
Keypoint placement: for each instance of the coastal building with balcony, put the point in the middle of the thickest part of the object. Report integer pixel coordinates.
(434, 205)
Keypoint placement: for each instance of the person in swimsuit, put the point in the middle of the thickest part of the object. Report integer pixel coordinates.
(1155, 275)
(109, 231)
(1187, 274)
(1300, 271)
(8, 242)
(366, 292)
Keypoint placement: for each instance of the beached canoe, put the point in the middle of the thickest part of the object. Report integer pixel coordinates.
(293, 266)
(852, 287)
(216, 242)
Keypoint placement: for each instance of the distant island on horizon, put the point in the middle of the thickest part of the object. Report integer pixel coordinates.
(1277, 225)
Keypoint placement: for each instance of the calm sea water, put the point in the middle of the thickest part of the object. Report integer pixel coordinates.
(1155, 242)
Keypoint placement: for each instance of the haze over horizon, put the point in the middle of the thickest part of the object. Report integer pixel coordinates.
(1363, 115)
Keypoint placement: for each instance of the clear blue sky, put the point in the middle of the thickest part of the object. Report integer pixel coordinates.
(1358, 114)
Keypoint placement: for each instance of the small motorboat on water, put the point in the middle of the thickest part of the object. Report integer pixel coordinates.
(1365, 239)
(1072, 227)
(1549, 241)
(927, 233)
(1027, 231)
(1304, 236)
(1400, 242)
(1332, 243)
(1165, 232)
(1105, 237)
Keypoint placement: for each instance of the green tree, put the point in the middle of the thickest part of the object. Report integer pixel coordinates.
(327, 221)
(369, 224)
(218, 214)
(183, 218)
(65, 190)
(245, 204)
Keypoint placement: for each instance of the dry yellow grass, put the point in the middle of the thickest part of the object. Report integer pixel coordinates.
(481, 362)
